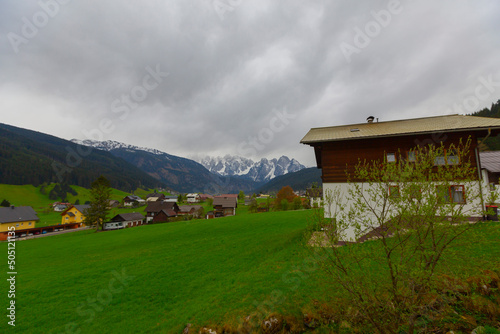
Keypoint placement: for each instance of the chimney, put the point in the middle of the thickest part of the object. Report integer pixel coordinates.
(370, 119)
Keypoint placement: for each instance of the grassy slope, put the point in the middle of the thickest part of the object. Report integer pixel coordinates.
(198, 272)
(28, 195)
(31, 196)
(201, 272)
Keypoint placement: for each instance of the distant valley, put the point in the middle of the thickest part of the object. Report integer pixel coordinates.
(211, 175)
(31, 157)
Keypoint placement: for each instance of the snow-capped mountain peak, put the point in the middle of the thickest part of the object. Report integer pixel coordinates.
(263, 170)
(109, 145)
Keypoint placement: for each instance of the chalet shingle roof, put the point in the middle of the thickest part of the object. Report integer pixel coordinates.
(17, 214)
(128, 216)
(448, 123)
(490, 161)
(158, 206)
(80, 208)
(169, 213)
(133, 198)
(188, 208)
(225, 202)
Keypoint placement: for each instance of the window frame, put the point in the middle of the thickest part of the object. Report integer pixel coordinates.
(394, 192)
(446, 158)
(409, 159)
(452, 198)
(449, 191)
(392, 154)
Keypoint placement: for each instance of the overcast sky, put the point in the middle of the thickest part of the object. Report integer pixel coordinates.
(240, 77)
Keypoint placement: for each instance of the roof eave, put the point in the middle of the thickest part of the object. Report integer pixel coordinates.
(310, 142)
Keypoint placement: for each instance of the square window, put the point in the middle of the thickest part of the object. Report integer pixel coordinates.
(452, 157)
(440, 161)
(457, 194)
(412, 157)
(391, 157)
(443, 194)
(394, 192)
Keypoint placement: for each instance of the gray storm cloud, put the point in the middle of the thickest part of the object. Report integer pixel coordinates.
(232, 65)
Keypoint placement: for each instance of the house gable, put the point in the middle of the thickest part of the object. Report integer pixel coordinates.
(22, 217)
(339, 149)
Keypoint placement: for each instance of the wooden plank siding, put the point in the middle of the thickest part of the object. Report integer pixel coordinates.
(337, 158)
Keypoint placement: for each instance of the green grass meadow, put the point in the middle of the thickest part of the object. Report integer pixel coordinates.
(199, 272)
(157, 278)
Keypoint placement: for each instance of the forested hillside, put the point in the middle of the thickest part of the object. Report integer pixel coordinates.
(300, 180)
(29, 157)
(492, 143)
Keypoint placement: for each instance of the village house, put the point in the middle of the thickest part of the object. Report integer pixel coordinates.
(339, 148)
(161, 211)
(225, 205)
(132, 200)
(60, 207)
(170, 198)
(193, 198)
(194, 210)
(16, 218)
(204, 197)
(315, 196)
(155, 197)
(124, 220)
(490, 161)
(74, 214)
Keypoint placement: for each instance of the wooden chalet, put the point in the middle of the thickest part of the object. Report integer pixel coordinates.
(161, 211)
(204, 197)
(194, 210)
(132, 200)
(129, 219)
(225, 205)
(193, 198)
(155, 197)
(338, 149)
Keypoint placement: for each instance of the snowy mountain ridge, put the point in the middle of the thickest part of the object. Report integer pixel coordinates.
(260, 171)
(109, 145)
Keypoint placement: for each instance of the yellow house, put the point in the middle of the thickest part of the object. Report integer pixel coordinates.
(17, 218)
(74, 214)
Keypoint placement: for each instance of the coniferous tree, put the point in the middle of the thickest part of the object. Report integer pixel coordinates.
(100, 194)
(5, 203)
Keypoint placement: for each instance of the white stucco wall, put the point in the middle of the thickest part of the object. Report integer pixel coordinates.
(344, 201)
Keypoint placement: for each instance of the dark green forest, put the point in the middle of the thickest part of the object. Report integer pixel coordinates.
(29, 157)
(492, 143)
